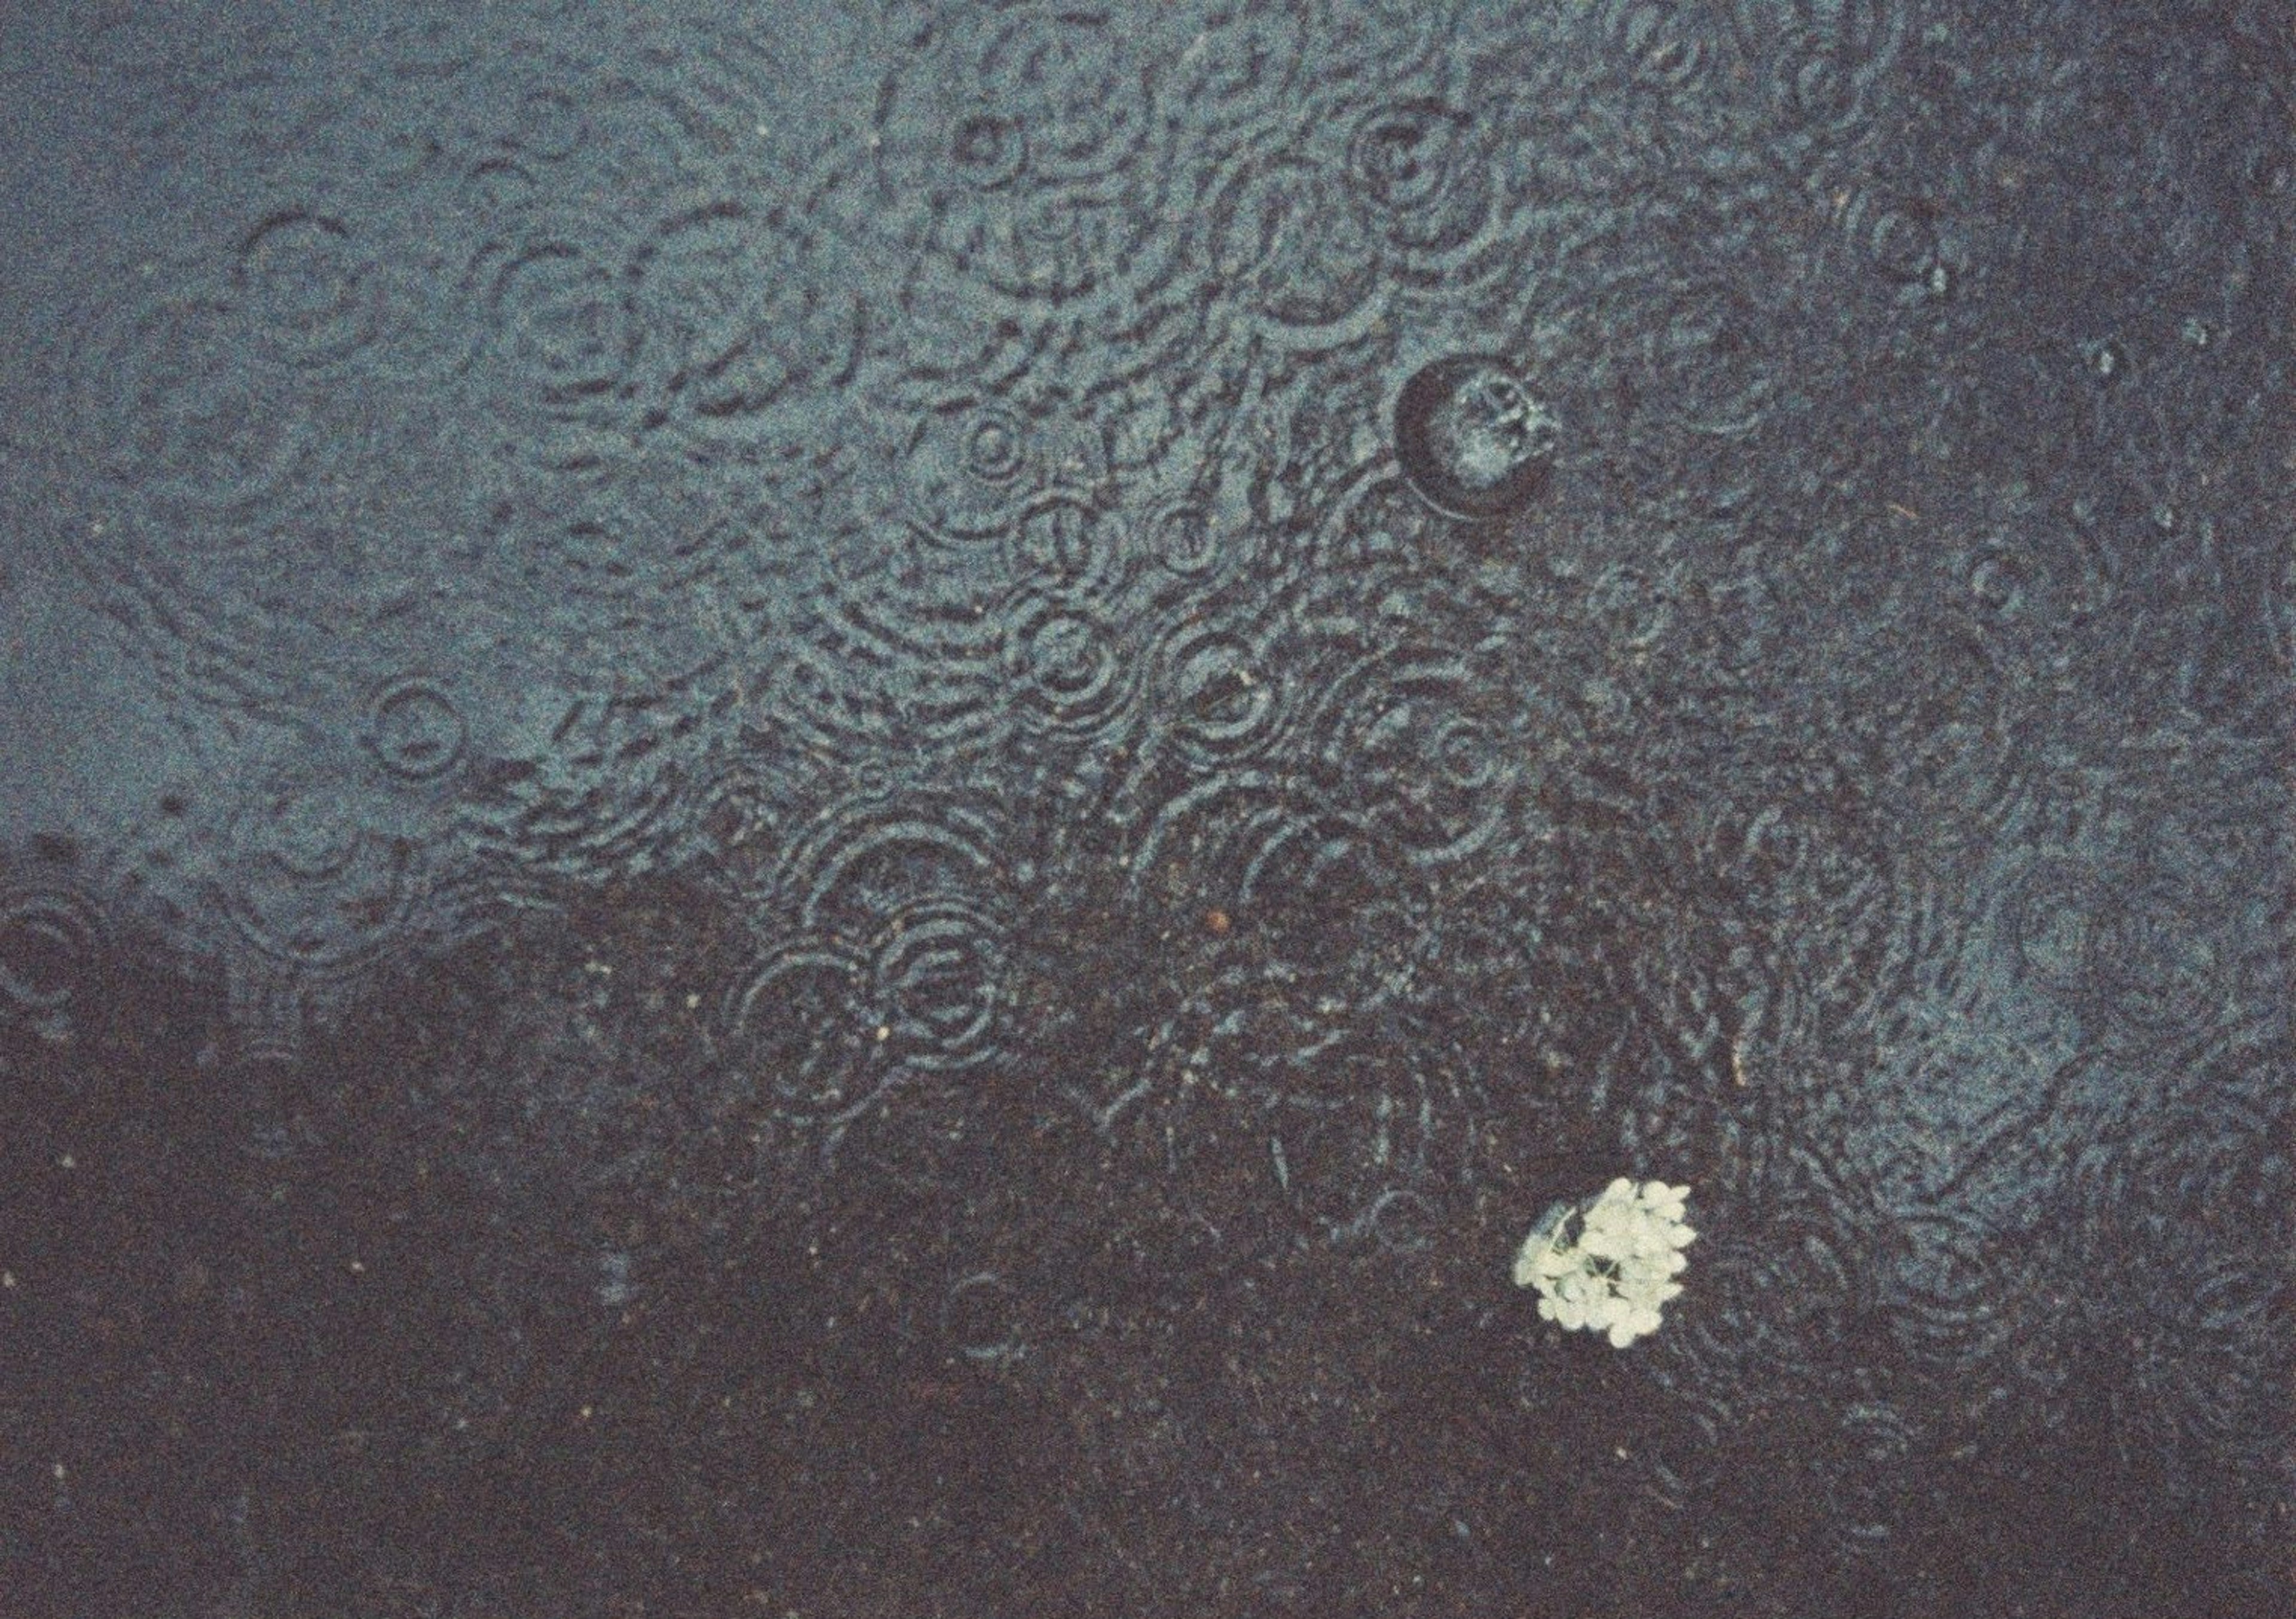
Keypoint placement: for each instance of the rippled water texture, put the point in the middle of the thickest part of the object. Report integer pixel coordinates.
(839, 809)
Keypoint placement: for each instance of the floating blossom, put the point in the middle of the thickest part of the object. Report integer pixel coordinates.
(1609, 1264)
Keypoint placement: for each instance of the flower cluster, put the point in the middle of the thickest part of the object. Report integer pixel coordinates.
(1608, 1264)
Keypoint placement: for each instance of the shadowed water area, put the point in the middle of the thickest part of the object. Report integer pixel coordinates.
(839, 810)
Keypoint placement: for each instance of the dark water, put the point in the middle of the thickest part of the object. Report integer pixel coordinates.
(837, 810)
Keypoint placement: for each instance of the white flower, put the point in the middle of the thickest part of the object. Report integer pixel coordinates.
(1608, 1263)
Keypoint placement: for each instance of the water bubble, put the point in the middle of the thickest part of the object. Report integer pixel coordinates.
(1473, 440)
